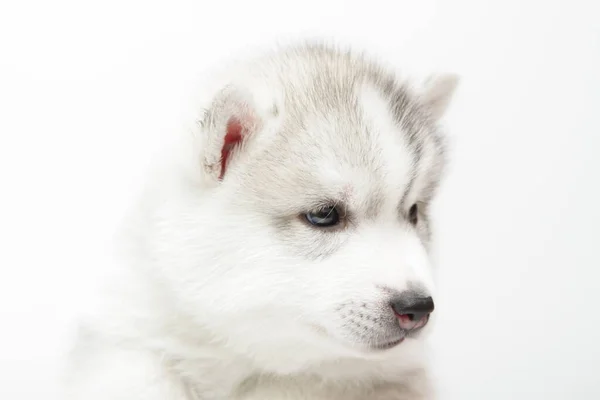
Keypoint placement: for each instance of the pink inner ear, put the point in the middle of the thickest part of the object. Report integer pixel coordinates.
(232, 138)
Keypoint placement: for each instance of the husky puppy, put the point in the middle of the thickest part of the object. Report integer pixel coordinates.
(282, 251)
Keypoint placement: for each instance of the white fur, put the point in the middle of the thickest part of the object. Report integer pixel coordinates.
(221, 292)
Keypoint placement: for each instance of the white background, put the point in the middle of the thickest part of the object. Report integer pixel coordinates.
(87, 88)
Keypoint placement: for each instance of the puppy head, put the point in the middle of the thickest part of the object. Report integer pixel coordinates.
(306, 238)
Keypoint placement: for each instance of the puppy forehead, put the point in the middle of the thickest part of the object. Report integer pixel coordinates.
(395, 156)
(362, 154)
(347, 133)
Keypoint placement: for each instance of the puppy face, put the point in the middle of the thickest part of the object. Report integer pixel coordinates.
(313, 244)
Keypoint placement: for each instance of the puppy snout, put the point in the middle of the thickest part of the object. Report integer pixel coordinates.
(412, 310)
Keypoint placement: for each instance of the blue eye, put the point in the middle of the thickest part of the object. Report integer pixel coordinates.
(323, 217)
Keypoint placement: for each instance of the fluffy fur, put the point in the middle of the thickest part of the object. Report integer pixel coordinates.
(223, 291)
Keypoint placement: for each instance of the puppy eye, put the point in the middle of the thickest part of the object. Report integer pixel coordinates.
(413, 214)
(323, 217)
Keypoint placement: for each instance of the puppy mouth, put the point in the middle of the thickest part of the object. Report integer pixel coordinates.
(388, 345)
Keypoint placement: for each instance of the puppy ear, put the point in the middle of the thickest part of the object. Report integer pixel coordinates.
(438, 93)
(228, 123)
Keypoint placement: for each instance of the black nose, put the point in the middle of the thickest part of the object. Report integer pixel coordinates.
(413, 305)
